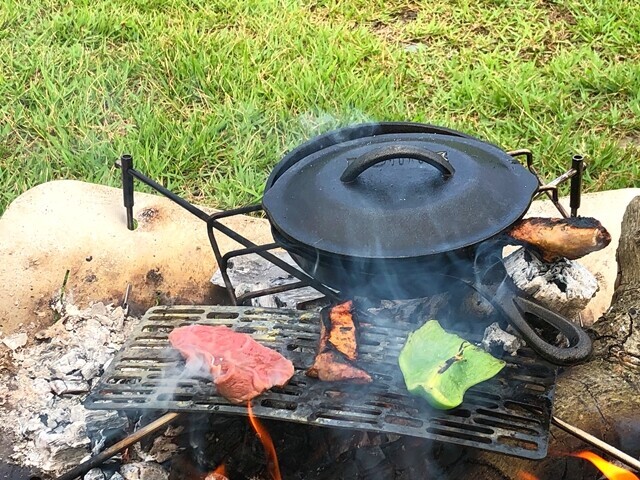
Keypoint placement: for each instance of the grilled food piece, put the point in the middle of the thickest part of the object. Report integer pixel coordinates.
(556, 238)
(331, 366)
(440, 366)
(342, 330)
(338, 347)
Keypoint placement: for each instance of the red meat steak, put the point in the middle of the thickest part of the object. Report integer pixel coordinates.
(241, 368)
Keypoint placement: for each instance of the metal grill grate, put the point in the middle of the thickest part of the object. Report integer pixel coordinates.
(509, 413)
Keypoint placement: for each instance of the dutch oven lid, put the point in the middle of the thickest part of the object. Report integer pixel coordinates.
(398, 195)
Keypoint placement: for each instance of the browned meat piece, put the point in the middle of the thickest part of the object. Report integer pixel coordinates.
(330, 366)
(342, 333)
(333, 360)
(555, 238)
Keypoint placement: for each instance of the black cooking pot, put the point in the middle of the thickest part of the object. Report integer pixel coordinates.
(398, 210)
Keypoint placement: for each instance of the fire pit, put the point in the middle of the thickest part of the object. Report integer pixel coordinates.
(508, 414)
(375, 430)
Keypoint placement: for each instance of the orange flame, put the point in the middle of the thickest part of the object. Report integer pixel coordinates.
(267, 443)
(611, 471)
(526, 476)
(220, 473)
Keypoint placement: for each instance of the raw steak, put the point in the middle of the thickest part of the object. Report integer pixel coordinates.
(241, 368)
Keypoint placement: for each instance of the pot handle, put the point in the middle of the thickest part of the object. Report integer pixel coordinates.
(517, 308)
(369, 159)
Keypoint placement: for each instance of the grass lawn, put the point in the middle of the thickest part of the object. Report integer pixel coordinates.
(208, 95)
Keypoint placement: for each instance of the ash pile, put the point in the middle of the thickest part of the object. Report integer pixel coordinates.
(43, 383)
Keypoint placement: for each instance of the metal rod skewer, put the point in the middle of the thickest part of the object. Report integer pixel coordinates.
(105, 455)
(596, 442)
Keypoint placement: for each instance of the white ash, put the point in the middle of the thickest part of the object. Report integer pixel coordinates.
(249, 273)
(98, 474)
(143, 471)
(94, 474)
(564, 286)
(44, 390)
(161, 450)
(496, 340)
(13, 342)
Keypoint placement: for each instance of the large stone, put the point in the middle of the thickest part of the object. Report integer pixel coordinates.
(80, 227)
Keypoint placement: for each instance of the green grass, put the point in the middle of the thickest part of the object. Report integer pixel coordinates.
(208, 95)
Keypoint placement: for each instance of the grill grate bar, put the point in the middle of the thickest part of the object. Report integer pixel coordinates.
(508, 414)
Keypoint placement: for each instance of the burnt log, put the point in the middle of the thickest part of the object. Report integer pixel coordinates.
(564, 286)
(601, 396)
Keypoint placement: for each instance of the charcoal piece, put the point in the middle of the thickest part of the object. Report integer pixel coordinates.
(105, 427)
(65, 448)
(249, 273)
(68, 387)
(224, 438)
(414, 311)
(371, 462)
(496, 340)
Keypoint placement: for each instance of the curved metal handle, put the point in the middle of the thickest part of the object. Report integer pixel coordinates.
(516, 307)
(360, 164)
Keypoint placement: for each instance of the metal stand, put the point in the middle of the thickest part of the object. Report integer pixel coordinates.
(213, 223)
(551, 189)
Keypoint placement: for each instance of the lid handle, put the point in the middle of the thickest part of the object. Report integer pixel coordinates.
(390, 152)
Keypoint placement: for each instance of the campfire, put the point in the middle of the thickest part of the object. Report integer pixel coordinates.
(346, 410)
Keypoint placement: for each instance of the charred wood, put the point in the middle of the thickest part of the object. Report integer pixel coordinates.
(564, 286)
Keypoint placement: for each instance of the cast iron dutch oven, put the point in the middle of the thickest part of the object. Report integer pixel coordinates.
(391, 210)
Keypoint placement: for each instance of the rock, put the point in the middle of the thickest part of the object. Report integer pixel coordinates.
(143, 471)
(496, 338)
(15, 341)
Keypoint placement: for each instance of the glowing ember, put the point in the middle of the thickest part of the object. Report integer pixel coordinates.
(611, 471)
(220, 473)
(526, 476)
(267, 443)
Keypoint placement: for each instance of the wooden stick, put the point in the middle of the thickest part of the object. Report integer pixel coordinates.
(596, 442)
(105, 455)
